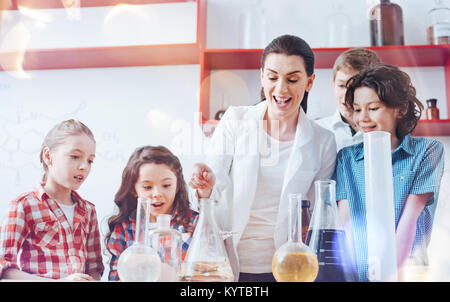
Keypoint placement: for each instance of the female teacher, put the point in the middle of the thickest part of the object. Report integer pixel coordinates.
(260, 154)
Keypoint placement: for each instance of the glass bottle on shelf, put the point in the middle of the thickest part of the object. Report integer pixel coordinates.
(438, 24)
(252, 26)
(326, 237)
(432, 112)
(206, 259)
(168, 244)
(386, 24)
(222, 109)
(140, 262)
(338, 27)
(294, 261)
(306, 218)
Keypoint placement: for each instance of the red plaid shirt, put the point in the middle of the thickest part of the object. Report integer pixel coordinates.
(37, 229)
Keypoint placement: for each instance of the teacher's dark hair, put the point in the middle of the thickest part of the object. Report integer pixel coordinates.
(292, 46)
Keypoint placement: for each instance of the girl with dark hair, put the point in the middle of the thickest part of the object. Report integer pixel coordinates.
(156, 173)
(262, 153)
(382, 98)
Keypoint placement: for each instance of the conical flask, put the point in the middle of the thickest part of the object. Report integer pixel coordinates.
(327, 238)
(294, 261)
(206, 259)
(168, 244)
(140, 262)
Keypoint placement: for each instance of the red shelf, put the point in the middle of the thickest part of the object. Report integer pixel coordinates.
(100, 57)
(50, 4)
(411, 55)
(403, 56)
(432, 128)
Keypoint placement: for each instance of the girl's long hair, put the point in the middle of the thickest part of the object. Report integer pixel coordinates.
(125, 197)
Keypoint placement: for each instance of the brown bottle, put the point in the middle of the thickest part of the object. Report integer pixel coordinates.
(306, 218)
(432, 111)
(386, 24)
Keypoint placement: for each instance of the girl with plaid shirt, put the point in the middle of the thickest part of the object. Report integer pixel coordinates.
(155, 173)
(52, 232)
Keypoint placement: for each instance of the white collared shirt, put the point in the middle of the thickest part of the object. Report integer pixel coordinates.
(341, 130)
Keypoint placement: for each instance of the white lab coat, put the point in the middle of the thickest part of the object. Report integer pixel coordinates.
(234, 156)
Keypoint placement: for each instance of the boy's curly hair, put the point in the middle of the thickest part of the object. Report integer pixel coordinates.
(394, 89)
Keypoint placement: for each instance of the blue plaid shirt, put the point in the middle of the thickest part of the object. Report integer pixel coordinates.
(417, 167)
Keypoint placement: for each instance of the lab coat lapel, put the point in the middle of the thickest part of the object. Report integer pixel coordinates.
(247, 162)
(302, 136)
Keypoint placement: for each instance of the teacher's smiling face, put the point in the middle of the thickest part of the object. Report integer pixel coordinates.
(284, 80)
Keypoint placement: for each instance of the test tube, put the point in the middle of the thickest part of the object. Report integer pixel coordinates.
(382, 255)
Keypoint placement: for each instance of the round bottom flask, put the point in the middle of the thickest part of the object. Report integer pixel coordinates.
(139, 263)
(294, 261)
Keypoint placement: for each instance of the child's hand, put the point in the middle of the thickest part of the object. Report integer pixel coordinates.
(78, 277)
(202, 179)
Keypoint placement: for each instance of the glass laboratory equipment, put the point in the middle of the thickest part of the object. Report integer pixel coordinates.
(294, 261)
(306, 218)
(252, 25)
(380, 212)
(438, 24)
(338, 27)
(206, 259)
(222, 109)
(432, 112)
(140, 262)
(386, 24)
(327, 238)
(168, 244)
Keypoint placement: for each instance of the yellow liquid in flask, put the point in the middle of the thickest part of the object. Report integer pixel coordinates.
(295, 267)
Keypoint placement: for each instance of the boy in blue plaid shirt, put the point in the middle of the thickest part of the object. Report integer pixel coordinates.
(382, 98)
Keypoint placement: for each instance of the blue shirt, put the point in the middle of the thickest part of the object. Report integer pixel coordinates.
(417, 167)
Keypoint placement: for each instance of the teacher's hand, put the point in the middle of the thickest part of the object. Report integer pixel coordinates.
(202, 179)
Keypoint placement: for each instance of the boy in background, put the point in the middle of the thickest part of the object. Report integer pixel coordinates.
(348, 64)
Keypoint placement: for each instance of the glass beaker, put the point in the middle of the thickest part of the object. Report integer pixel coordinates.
(206, 259)
(140, 262)
(338, 27)
(326, 237)
(252, 25)
(168, 244)
(294, 261)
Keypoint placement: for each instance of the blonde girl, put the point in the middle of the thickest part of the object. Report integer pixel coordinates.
(52, 232)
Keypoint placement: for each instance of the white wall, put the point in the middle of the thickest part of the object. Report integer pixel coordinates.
(99, 26)
(130, 107)
(307, 19)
